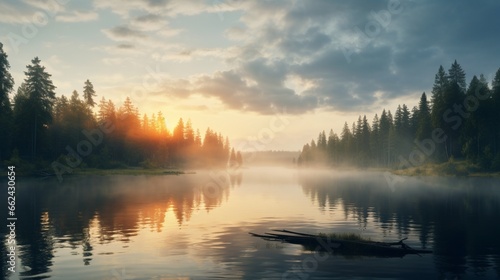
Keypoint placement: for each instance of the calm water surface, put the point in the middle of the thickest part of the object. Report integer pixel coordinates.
(196, 226)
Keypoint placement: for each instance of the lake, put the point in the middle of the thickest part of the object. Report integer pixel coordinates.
(195, 226)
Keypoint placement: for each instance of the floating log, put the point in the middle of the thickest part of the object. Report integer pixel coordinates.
(349, 244)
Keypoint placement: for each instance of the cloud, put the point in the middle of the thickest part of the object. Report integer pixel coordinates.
(78, 16)
(121, 33)
(15, 14)
(312, 40)
(148, 22)
(154, 23)
(47, 5)
(239, 94)
(170, 8)
(306, 55)
(125, 46)
(36, 11)
(185, 54)
(258, 86)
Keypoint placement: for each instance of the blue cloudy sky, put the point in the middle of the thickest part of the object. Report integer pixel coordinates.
(237, 65)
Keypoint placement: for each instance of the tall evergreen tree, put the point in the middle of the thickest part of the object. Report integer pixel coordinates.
(332, 147)
(457, 75)
(401, 129)
(179, 132)
(385, 128)
(470, 133)
(453, 96)
(424, 129)
(128, 115)
(189, 133)
(365, 141)
(89, 93)
(346, 142)
(398, 119)
(33, 109)
(107, 111)
(197, 138)
(477, 135)
(375, 140)
(495, 118)
(160, 125)
(414, 122)
(145, 124)
(322, 144)
(6, 87)
(439, 106)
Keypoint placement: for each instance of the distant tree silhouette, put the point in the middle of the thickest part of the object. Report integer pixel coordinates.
(46, 128)
(239, 159)
(6, 87)
(468, 116)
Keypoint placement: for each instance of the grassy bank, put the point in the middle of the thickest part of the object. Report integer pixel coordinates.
(129, 171)
(451, 168)
(31, 170)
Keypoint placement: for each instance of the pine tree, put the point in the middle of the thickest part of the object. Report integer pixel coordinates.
(179, 132)
(33, 109)
(453, 96)
(365, 141)
(153, 124)
(441, 83)
(129, 120)
(494, 119)
(494, 116)
(346, 143)
(322, 144)
(375, 139)
(332, 146)
(457, 75)
(478, 132)
(399, 130)
(189, 133)
(470, 133)
(424, 129)
(398, 119)
(6, 87)
(197, 138)
(145, 124)
(414, 122)
(405, 121)
(385, 128)
(106, 112)
(89, 93)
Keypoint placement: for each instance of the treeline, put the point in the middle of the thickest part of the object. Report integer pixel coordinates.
(458, 122)
(42, 130)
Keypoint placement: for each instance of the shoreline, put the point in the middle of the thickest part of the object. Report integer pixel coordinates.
(106, 172)
(446, 169)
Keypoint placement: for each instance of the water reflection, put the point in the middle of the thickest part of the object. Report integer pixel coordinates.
(169, 227)
(72, 217)
(458, 217)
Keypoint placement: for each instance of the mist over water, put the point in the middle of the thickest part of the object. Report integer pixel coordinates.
(196, 225)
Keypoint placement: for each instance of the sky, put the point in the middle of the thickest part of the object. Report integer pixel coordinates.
(270, 74)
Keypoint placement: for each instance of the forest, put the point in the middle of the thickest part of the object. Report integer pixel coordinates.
(41, 131)
(458, 122)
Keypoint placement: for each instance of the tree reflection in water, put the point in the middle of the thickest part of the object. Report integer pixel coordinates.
(459, 216)
(62, 216)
